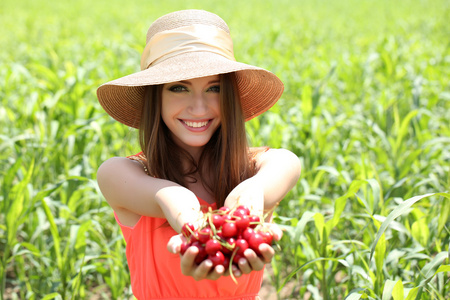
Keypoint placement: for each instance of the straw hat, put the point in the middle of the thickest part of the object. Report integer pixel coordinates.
(184, 45)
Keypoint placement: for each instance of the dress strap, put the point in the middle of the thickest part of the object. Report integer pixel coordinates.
(140, 158)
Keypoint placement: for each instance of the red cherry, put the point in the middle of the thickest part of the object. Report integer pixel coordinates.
(231, 244)
(187, 229)
(204, 235)
(245, 208)
(239, 213)
(217, 221)
(201, 252)
(184, 247)
(224, 209)
(255, 220)
(227, 218)
(229, 229)
(226, 262)
(247, 233)
(217, 259)
(237, 257)
(212, 246)
(194, 237)
(241, 246)
(242, 222)
(255, 240)
(267, 237)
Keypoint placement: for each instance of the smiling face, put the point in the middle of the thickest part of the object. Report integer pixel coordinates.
(191, 111)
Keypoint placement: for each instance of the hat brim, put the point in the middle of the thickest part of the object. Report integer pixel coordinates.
(122, 98)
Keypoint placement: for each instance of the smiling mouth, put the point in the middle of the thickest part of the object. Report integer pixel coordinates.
(195, 124)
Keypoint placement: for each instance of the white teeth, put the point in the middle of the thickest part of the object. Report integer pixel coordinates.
(195, 124)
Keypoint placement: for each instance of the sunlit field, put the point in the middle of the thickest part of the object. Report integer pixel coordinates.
(366, 108)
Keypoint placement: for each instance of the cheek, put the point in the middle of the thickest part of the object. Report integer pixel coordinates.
(215, 104)
(167, 115)
(167, 109)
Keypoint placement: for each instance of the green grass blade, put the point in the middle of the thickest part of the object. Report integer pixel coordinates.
(399, 210)
(54, 233)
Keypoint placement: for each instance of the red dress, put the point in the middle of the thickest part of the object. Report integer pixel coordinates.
(156, 274)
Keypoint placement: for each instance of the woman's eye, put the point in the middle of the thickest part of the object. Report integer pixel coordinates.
(177, 88)
(215, 89)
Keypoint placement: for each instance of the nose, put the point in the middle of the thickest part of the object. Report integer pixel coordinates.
(198, 104)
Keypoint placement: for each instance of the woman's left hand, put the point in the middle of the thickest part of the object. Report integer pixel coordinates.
(205, 270)
(254, 262)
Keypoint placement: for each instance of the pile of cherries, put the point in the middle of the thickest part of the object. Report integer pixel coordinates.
(225, 235)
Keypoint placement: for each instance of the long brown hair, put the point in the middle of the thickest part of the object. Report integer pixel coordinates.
(225, 160)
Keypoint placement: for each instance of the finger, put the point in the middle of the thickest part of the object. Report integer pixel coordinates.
(267, 253)
(244, 266)
(276, 231)
(235, 270)
(174, 244)
(255, 262)
(216, 273)
(187, 262)
(202, 270)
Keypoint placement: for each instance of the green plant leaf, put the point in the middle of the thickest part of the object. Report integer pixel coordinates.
(397, 292)
(420, 231)
(412, 294)
(400, 209)
(304, 265)
(353, 296)
(427, 271)
(380, 253)
(52, 296)
(339, 203)
(306, 217)
(444, 216)
(444, 268)
(15, 211)
(54, 232)
(403, 130)
(387, 290)
(320, 224)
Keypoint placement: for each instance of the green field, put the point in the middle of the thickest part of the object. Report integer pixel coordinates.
(366, 107)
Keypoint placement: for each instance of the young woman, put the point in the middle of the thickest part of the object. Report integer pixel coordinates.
(190, 103)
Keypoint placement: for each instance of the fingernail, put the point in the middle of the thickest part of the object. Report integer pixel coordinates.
(242, 261)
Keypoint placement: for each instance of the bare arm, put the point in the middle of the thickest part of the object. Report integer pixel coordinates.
(278, 172)
(132, 193)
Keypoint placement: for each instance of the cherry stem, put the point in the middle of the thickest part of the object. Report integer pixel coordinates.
(230, 267)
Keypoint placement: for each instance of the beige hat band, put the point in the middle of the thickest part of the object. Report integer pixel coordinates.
(194, 38)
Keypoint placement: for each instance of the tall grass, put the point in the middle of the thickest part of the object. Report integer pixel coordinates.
(366, 108)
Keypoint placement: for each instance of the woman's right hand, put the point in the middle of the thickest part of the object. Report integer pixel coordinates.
(188, 265)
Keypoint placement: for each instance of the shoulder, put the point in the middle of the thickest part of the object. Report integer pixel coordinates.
(117, 170)
(141, 159)
(124, 183)
(117, 164)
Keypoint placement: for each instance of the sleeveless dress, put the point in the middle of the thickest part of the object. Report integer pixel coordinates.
(156, 274)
